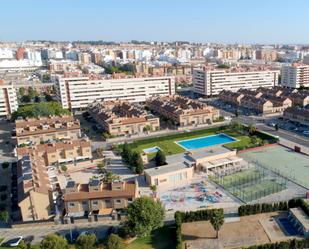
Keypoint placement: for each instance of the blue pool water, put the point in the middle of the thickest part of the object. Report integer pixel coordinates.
(288, 227)
(200, 142)
(152, 150)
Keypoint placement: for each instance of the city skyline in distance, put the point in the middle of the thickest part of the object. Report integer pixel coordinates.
(264, 22)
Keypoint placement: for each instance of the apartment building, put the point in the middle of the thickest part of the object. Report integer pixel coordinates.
(266, 55)
(98, 198)
(295, 75)
(122, 117)
(8, 99)
(76, 93)
(297, 114)
(70, 151)
(42, 129)
(267, 102)
(211, 81)
(34, 189)
(183, 111)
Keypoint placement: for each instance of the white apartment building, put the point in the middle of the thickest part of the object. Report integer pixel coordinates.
(212, 82)
(76, 93)
(8, 99)
(295, 76)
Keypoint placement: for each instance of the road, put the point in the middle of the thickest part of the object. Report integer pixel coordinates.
(283, 134)
(39, 232)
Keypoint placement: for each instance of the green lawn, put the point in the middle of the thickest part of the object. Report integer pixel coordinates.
(168, 145)
(163, 238)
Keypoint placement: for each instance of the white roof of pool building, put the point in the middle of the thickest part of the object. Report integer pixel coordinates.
(301, 216)
(209, 151)
(165, 169)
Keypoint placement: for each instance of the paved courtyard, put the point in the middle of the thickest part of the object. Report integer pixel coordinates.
(199, 193)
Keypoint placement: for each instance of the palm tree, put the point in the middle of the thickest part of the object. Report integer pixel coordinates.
(217, 220)
(252, 129)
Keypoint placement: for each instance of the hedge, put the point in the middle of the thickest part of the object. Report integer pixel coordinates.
(290, 244)
(192, 216)
(271, 207)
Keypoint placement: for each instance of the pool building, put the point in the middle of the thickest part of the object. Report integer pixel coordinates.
(180, 168)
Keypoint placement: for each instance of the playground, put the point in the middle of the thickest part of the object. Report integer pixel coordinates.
(283, 161)
(200, 193)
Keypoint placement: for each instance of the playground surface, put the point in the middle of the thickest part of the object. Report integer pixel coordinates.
(283, 161)
(200, 193)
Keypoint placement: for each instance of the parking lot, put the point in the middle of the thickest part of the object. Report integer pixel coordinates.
(289, 126)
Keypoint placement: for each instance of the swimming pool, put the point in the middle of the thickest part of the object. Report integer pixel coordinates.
(200, 142)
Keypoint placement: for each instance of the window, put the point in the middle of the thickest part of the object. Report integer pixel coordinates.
(72, 204)
(84, 202)
(118, 201)
(95, 202)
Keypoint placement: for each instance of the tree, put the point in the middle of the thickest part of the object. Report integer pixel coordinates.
(32, 92)
(110, 177)
(48, 98)
(25, 99)
(4, 216)
(23, 245)
(37, 99)
(53, 241)
(101, 166)
(217, 220)
(136, 162)
(64, 168)
(160, 158)
(86, 241)
(114, 242)
(251, 129)
(5, 165)
(39, 109)
(147, 128)
(21, 91)
(144, 215)
(125, 152)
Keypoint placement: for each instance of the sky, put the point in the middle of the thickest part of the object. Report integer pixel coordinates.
(226, 21)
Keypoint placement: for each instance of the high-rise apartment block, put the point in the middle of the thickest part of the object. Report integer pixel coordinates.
(211, 82)
(295, 75)
(8, 99)
(78, 92)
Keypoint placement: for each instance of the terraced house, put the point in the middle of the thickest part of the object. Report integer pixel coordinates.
(183, 111)
(98, 198)
(42, 129)
(297, 114)
(264, 103)
(35, 199)
(70, 151)
(121, 117)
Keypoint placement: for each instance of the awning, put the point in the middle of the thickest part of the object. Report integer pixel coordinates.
(220, 162)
